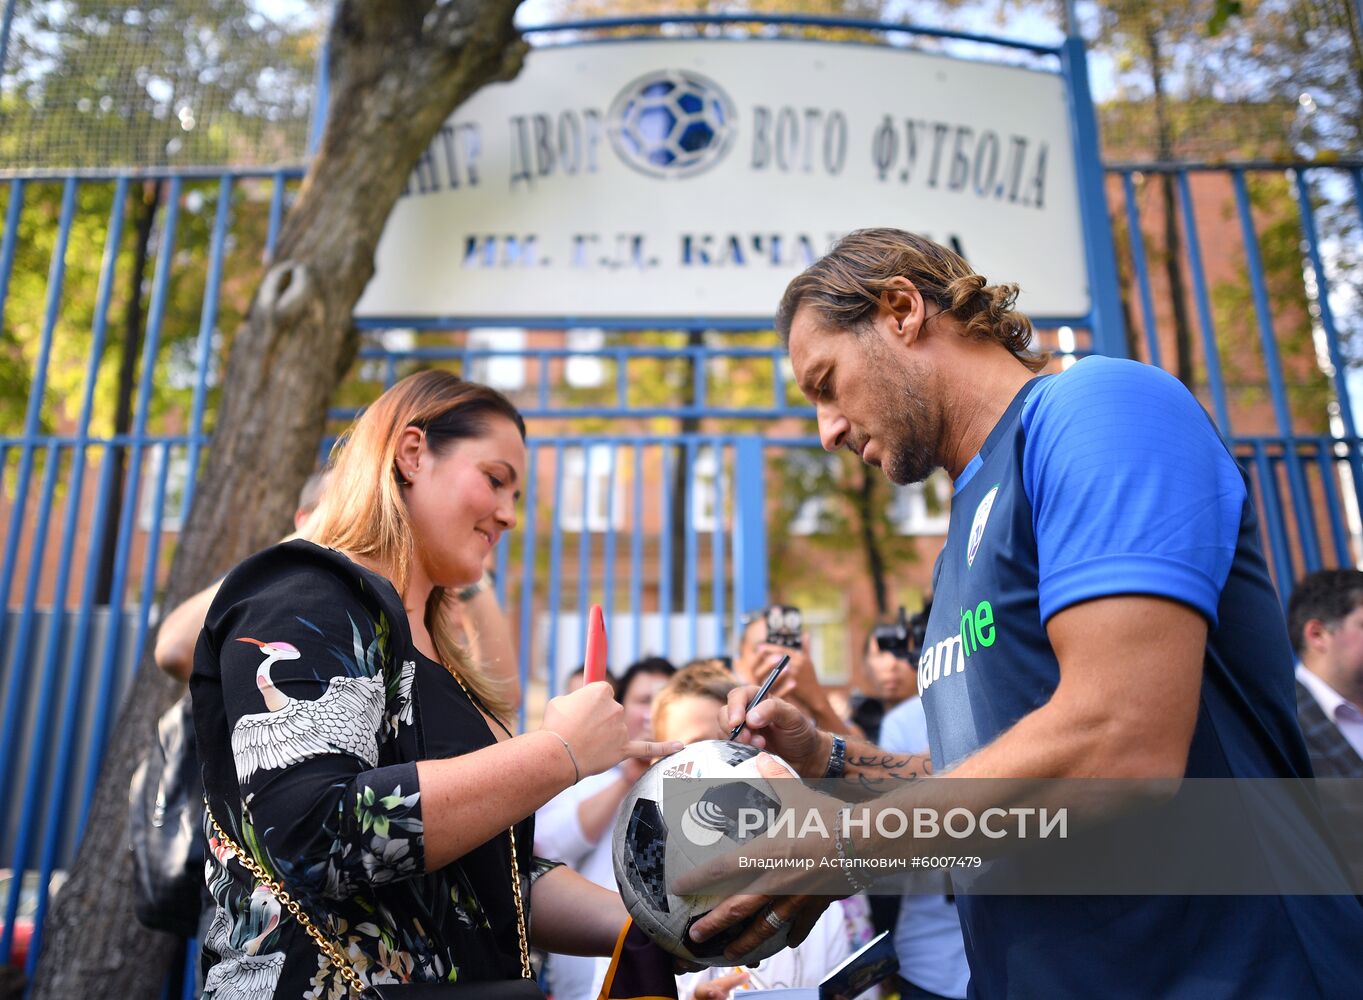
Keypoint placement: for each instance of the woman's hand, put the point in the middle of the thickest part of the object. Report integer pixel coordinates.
(779, 727)
(592, 723)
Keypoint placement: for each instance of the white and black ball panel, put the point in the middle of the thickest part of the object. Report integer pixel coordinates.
(645, 860)
(646, 850)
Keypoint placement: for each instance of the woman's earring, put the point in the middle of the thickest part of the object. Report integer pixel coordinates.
(402, 480)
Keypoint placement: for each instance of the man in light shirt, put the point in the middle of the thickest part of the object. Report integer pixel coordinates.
(1325, 617)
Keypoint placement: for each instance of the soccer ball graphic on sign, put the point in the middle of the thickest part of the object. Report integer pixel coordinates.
(672, 123)
(646, 851)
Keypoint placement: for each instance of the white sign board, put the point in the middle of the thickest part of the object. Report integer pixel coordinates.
(691, 180)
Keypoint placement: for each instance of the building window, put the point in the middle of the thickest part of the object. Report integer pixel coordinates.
(814, 475)
(923, 508)
(506, 373)
(177, 477)
(587, 372)
(395, 344)
(588, 470)
(706, 501)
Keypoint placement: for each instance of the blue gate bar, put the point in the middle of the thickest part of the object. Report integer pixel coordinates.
(688, 513)
(636, 556)
(6, 22)
(608, 559)
(11, 240)
(1325, 456)
(584, 543)
(1206, 327)
(1137, 239)
(621, 378)
(503, 558)
(77, 671)
(793, 20)
(527, 574)
(750, 528)
(151, 556)
(1282, 409)
(1274, 525)
(1105, 294)
(276, 215)
(778, 382)
(34, 785)
(555, 570)
(56, 276)
(208, 323)
(105, 705)
(665, 551)
(1327, 322)
(16, 689)
(80, 642)
(717, 568)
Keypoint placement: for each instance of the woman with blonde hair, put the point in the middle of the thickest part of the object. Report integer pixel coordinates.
(370, 812)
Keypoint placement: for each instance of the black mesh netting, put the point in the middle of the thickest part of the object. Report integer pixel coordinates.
(97, 83)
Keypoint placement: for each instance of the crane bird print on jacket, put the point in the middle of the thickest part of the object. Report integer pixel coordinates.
(344, 720)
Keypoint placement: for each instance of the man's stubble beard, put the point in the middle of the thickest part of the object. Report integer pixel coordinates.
(911, 454)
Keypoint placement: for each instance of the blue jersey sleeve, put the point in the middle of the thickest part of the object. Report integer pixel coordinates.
(1132, 489)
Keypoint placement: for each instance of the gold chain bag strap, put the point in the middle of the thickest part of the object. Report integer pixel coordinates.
(329, 948)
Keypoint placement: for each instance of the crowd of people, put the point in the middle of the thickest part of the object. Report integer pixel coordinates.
(352, 686)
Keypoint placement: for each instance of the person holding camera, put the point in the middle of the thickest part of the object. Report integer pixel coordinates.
(770, 634)
(890, 657)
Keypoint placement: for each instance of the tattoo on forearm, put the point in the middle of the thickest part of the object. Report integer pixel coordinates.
(875, 774)
(888, 761)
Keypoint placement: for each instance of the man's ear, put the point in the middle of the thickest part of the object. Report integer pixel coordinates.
(1314, 634)
(902, 310)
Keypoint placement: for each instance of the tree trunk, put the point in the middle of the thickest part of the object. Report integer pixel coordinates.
(145, 203)
(680, 513)
(1173, 239)
(398, 70)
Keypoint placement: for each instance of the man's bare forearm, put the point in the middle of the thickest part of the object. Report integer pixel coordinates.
(868, 770)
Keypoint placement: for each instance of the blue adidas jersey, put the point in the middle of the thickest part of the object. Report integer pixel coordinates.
(1110, 479)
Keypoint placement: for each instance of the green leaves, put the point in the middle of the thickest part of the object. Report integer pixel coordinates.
(1221, 14)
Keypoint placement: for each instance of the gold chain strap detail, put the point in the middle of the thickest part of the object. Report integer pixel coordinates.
(327, 947)
(520, 907)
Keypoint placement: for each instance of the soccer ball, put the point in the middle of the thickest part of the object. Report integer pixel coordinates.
(646, 851)
(671, 124)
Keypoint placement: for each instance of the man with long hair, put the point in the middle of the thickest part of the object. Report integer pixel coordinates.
(1101, 609)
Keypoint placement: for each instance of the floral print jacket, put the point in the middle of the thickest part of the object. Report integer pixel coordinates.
(307, 709)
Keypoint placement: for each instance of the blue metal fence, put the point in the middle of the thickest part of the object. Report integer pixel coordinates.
(666, 530)
(1293, 427)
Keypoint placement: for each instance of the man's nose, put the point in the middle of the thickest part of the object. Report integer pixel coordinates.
(833, 428)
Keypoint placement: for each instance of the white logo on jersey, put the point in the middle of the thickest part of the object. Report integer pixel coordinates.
(977, 526)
